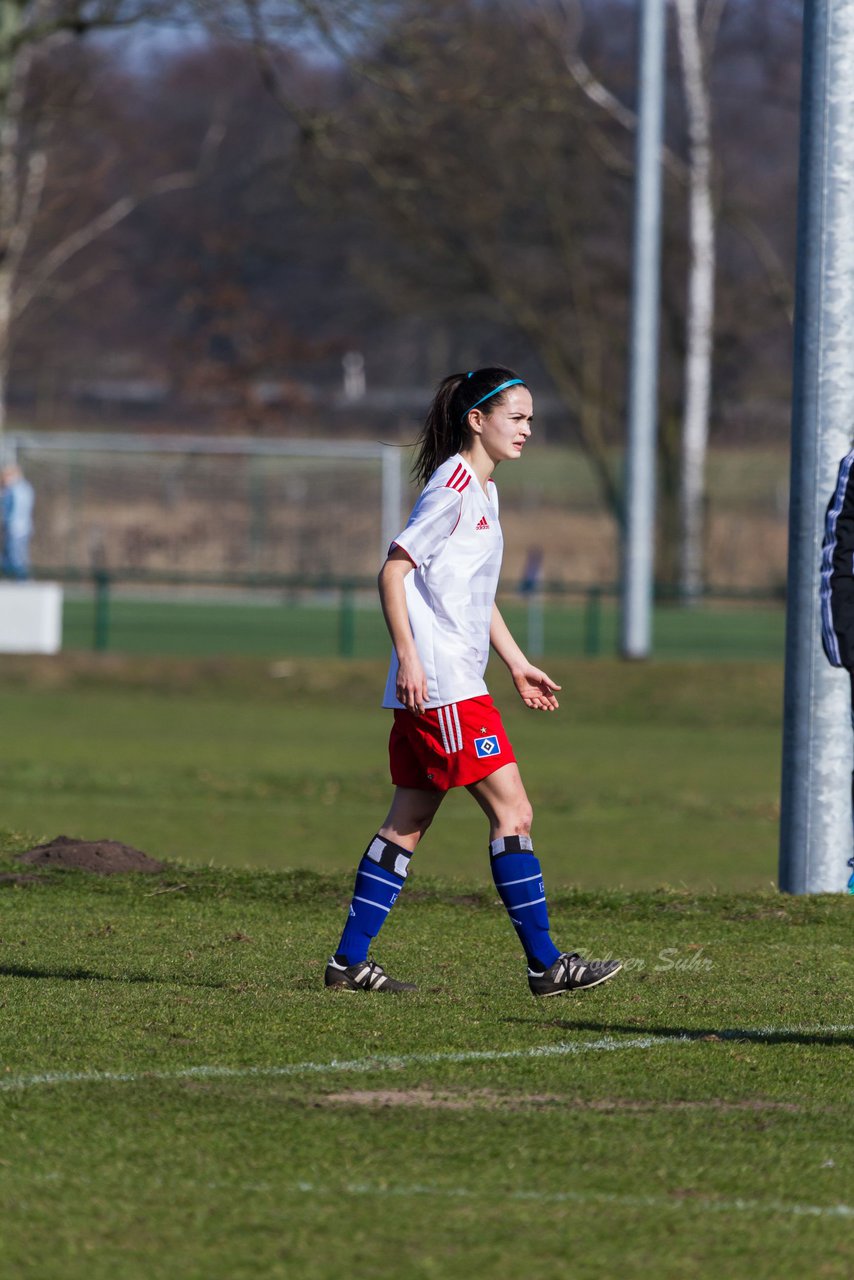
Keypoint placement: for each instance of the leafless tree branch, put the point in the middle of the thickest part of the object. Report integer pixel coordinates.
(597, 93)
(79, 239)
(710, 22)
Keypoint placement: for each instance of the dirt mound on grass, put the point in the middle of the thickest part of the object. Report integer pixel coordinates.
(103, 857)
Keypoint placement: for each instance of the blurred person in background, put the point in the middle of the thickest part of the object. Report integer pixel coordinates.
(16, 522)
(837, 585)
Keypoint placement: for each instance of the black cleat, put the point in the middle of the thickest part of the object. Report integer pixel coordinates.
(570, 972)
(367, 975)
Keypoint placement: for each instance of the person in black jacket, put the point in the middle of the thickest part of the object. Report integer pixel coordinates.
(837, 584)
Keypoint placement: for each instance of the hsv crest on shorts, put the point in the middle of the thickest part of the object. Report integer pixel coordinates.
(486, 747)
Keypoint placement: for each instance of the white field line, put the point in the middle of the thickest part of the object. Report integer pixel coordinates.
(706, 1204)
(9, 1083)
(326, 1190)
(379, 1063)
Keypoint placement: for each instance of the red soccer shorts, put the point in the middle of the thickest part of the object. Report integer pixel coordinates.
(449, 746)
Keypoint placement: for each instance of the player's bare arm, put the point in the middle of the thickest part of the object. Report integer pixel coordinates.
(535, 688)
(411, 686)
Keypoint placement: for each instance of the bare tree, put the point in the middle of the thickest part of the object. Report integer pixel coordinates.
(395, 140)
(697, 30)
(700, 315)
(489, 182)
(33, 30)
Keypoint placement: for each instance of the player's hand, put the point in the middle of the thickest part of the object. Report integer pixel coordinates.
(536, 689)
(411, 687)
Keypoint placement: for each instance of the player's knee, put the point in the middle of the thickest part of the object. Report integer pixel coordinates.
(421, 822)
(512, 817)
(524, 819)
(407, 830)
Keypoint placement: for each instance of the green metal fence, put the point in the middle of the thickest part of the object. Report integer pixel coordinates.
(275, 615)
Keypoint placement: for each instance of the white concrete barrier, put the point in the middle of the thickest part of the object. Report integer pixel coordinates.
(30, 617)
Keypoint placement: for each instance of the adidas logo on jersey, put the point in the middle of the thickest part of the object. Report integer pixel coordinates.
(482, 523)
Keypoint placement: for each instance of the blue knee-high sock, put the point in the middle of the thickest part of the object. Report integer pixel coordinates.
(380, 877)
(519, 881)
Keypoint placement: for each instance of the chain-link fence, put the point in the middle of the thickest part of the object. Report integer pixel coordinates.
(234, 509)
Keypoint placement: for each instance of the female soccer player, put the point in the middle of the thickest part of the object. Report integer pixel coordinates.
(437, 590)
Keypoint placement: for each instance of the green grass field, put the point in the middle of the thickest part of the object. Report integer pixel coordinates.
(181, 1098)
(205, 629)
(649, 774)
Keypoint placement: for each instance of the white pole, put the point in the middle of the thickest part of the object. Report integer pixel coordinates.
(392, 496)
(536, 642)
(815, 826)
(639, 517)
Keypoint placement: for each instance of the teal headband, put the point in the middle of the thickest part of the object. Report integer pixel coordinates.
(511, 382)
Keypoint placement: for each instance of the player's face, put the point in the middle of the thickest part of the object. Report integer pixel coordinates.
(505, 430)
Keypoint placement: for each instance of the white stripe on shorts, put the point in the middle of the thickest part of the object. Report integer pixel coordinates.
(441, 720)
(449, 723)
(456, 716)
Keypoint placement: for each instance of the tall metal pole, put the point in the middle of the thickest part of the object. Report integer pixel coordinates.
(639, 513)
(816, 832)
(392, 496)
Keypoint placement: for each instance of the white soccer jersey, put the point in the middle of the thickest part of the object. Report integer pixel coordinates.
(454, 540)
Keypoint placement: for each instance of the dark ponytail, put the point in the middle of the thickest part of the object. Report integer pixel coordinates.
(446, 428)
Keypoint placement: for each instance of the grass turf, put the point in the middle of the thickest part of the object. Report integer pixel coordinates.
(649, 774)
(208, 628)
(232, 1119)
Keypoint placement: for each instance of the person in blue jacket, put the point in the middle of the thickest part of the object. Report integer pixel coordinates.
(837, 585)
(16, 522)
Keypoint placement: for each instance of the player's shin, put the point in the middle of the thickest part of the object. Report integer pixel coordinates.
(380, 877)
(519, 880)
